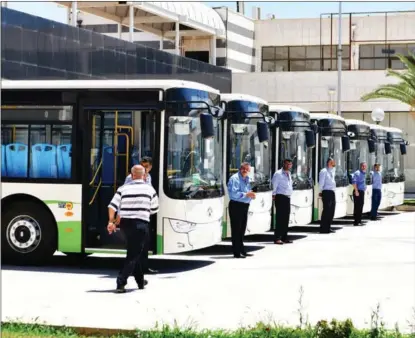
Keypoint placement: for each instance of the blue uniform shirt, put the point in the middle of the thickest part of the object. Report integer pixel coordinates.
(377, 179)
(238, 187)
(282, 183)
(359, 178)
(326, 179)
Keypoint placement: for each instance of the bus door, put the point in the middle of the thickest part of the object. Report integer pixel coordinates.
(111, 143)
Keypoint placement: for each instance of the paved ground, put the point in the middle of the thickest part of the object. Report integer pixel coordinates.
(345, 274)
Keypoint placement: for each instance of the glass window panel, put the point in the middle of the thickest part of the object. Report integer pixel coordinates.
(313, 65)
(14, 150)
(411, 48)
(313, 52)
(268, 66)
(366, 51)
(380, 64)
(345, 51)
(297, 66)
(381, 50)
(397, 64)
(281, 66)
(281, 53)
(329, 52)
(268, 53)
(330, 64)
(297, 52)
(345, 64)
(398, 49)
(366, 64)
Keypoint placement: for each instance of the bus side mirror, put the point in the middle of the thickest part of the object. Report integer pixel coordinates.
(345, 143)
(388, 149)
(262, 130)
(371, 146)
(206, 125)
(310, 138)
(403, 148)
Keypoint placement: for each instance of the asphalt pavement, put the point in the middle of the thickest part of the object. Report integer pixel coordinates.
(346, 274)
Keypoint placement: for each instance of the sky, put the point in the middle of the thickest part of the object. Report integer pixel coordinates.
(283, 10)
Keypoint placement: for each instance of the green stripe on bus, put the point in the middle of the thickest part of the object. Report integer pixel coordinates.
(224, 229)
(70, 236)
(315, 214)
(160, 249)
(57, 202)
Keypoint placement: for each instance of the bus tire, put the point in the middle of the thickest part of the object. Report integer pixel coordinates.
(29, 234)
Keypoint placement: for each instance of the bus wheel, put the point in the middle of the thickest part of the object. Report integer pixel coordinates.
(28, 233)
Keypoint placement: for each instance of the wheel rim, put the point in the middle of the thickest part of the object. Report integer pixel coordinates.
(23, 234)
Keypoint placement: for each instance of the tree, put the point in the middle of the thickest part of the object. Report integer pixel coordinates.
(404, 90)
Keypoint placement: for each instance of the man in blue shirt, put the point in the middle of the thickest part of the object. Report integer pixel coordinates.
(359, 186)
(327, 184)
(376, 191)
(240, 195)
(282, 185)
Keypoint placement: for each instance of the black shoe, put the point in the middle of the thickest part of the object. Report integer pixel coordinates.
(142, 284)
(246, 254)
(150, 272)
(120, 289)
(239, 256)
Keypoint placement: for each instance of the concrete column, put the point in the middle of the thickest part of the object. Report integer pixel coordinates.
(213, 50)
(161, 41)
(177, 39)
(119, 30)
(74, 18)
(131, 23)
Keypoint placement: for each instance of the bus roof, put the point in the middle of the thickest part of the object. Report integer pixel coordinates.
(322, 116)
(377, 127)
(243, 97)
(358, 122)
(393, 130)
(279, 108)
(104, 84)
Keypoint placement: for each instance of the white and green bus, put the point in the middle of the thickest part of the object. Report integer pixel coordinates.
(67, 145)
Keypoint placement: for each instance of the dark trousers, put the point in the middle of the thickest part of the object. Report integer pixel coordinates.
(238, 213)
(329, 207)
(152, 229)
(358, 202)
(282, 215)
(136, 235)
(376, 198)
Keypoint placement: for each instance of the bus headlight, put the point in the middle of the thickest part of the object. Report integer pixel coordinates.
(182, 226)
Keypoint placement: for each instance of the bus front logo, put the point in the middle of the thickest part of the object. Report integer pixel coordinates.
(209, 211)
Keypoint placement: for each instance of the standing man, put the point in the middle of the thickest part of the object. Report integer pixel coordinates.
(147, 163)
(282, 190)
(376, 192)
(327, 184)
(359, 186)
(240, 195)
(135, 201)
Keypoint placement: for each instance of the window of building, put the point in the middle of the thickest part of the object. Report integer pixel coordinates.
(36, 142)
(383, 56)
(303, 58)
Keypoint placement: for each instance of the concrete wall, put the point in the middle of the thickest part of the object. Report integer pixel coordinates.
(369, 29)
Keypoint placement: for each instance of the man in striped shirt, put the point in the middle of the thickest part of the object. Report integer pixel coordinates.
(135, 202)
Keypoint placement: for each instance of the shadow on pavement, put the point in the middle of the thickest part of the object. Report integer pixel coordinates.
(310, 229)
(108, 265)
(221, 249)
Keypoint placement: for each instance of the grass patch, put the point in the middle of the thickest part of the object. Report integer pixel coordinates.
(409, 201)
(323, 329)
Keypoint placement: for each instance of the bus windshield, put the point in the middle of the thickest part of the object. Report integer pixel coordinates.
(244, 146)
(193, 163)
(293, 146)
(358, 153)
(331, 146)
(395, 163)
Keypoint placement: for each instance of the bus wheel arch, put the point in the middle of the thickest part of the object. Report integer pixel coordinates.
(29, 229)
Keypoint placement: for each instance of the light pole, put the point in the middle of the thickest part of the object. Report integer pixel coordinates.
(377, 115)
